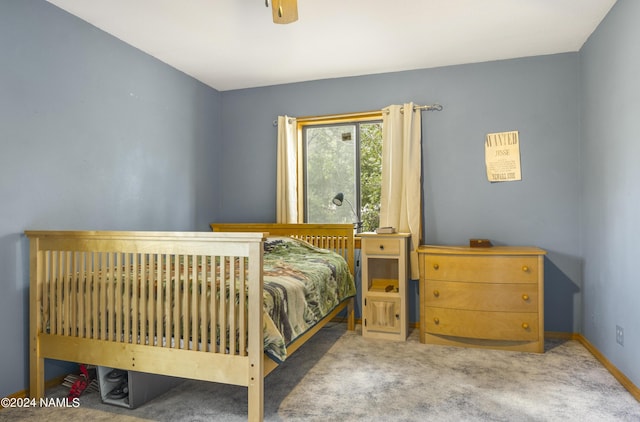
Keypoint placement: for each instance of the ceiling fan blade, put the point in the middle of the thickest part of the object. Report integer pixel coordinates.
(284, 11)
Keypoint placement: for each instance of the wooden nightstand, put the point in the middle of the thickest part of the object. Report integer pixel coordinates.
(482, 297)
(384, 285)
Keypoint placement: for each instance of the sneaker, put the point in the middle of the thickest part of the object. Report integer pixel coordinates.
(120, 392)
(116, 375)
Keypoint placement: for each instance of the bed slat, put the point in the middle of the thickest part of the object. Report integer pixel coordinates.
(222, 305)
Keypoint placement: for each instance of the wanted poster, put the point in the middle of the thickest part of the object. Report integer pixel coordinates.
(502, 157)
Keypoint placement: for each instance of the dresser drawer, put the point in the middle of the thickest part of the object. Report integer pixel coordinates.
(514, 326)
(473, 268)
(518, 297)
(382, 246)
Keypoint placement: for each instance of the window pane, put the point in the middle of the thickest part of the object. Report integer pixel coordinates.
(343, 158)
(370, 174)
(330, 154)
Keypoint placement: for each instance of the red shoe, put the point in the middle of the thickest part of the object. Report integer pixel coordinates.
(81, 383)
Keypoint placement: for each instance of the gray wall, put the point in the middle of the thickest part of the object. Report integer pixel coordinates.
(93, 135)
(610, 64)
(538, 96)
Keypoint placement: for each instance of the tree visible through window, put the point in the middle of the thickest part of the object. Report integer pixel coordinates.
(344, 157)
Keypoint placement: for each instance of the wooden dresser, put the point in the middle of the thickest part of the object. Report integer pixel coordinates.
(482, 297)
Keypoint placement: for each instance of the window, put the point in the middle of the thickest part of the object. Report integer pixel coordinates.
(342, 155)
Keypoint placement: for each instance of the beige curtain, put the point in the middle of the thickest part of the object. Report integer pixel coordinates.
(400, 203)
(287, 177)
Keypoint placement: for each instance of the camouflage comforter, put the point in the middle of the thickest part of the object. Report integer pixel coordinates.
(302, 284)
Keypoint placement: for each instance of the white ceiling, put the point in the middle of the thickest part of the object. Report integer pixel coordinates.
(232, 44)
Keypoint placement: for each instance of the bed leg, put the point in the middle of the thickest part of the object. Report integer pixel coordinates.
(256, 399)
(351, 315)
(36, 374)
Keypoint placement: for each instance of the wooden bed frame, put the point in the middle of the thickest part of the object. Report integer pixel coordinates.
(75, 308)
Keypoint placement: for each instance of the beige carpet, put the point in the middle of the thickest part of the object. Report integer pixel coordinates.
(340, 376)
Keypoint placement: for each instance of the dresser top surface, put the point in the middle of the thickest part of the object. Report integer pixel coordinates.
(374, 234)
(493, 250)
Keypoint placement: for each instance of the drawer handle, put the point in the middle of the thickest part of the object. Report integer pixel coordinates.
(525, 268)
(381, 247)
(525, 325)
(397, 316)
(525, 297)
(436, 320)
(436, 266)
(436, 293)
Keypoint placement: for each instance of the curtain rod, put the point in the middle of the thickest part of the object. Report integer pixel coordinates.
(432, 107)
